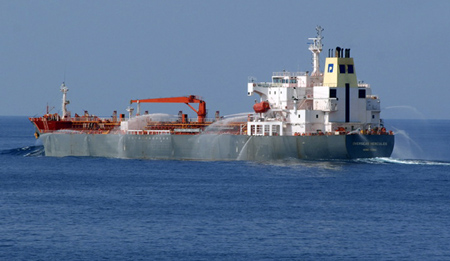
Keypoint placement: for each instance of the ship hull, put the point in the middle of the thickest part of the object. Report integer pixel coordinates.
(217, 147)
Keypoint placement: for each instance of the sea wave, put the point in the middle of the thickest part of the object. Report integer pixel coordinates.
(404, 161)
(28, 151)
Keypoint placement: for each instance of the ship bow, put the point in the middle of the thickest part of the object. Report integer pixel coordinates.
(369, 146)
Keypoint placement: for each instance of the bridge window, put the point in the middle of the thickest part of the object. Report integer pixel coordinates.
(362, 94)
(342, 68)
(350, 68)
(333, 93)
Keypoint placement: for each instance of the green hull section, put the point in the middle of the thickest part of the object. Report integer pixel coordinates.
(217, 147)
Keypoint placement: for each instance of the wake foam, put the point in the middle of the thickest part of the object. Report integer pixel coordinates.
(29, 151)
(403, 161)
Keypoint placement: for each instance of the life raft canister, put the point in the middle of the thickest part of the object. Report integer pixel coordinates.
(261, 107)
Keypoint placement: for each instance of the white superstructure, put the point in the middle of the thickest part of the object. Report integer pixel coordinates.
(303, 103)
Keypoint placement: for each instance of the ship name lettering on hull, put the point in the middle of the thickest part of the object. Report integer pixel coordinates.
(370, 143)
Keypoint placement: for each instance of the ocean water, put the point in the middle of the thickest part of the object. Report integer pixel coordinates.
(81, 208)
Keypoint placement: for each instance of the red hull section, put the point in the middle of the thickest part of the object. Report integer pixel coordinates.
(51, 123)
(95, 125)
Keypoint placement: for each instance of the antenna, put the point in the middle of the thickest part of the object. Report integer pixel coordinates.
(64, 90)
(49, 109)
(316, 48)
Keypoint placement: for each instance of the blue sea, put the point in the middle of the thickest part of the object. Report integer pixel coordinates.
(83, 208)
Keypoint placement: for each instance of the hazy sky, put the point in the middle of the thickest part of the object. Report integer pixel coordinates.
(109, 52)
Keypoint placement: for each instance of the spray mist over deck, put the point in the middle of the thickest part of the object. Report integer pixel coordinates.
(221, 125)
(141, 121)
(219, 140)
(213, 143)
(408, 108)
(406, 147)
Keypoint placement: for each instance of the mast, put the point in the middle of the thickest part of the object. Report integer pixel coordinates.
(130, 112)
(316, 48)
(64, 90)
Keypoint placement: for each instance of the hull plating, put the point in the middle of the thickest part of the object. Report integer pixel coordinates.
(218, 147)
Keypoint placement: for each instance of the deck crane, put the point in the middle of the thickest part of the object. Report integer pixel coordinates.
(201, 112)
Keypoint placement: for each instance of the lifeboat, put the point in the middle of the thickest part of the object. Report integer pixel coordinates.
(261, 107)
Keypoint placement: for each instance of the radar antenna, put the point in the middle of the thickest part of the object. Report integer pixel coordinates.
(316, 47)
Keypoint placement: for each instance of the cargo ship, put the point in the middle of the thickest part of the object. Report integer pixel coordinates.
(304, 115)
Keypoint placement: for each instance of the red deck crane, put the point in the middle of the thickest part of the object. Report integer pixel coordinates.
(201, 112)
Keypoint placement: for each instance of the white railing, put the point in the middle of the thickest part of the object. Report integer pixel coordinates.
(266, 84)
(363, 85)
(187, 130)
(291, 74)
(148, 132)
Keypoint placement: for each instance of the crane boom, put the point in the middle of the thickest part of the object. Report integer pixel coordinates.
(201, 112)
